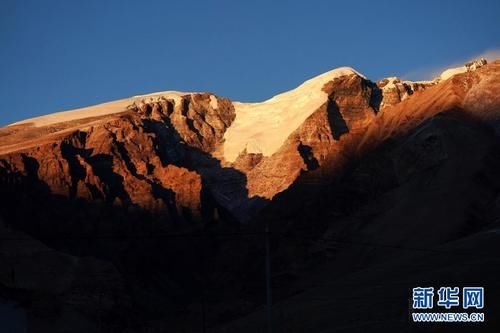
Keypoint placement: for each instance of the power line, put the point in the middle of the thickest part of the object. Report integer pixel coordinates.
(241, 234)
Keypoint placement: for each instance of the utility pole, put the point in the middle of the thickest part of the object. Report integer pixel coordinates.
(203, 310)
(203, 284)
(268, 282)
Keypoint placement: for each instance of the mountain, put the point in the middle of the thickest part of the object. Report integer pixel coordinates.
(147, 213)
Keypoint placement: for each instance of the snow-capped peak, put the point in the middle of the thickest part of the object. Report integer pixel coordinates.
(263, 127)
(468, 67)
(99, 110)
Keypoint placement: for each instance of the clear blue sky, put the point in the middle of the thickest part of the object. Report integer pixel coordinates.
(57, 55)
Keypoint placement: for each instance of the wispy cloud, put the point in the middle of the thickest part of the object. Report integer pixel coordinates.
(429, 73)
(491, 55)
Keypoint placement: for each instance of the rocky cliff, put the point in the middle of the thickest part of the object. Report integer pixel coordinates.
(168, 193)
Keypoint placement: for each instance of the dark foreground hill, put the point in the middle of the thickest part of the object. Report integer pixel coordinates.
(148, 214)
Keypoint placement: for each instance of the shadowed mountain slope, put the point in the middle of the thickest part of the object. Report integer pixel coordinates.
(147, 214)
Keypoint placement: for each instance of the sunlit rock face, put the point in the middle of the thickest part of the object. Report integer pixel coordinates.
(132, 152)
(95, 191)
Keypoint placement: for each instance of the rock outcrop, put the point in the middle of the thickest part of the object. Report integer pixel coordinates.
(164, 203)
(395, 91)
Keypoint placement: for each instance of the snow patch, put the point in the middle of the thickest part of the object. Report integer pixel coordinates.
(468, 67)
(392, 83)
(103, 109)
(451, 72)
(263, 127)
(213, 102)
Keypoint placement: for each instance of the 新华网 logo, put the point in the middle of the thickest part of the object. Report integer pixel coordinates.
(448, 298)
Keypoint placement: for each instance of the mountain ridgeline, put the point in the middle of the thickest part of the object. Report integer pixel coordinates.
(147, 214)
